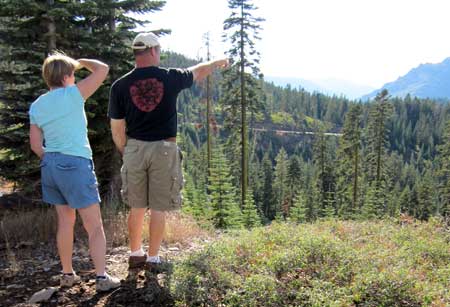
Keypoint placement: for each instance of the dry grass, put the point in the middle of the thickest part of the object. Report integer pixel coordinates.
(35, 226)
(115, 225)
(182, 228)
(10, 255)
(39, 225)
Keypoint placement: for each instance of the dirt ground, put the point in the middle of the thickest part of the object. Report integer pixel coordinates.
(25, 270)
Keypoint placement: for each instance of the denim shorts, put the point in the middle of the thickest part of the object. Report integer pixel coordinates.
(68, 180)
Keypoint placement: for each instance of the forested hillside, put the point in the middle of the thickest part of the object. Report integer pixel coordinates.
(306, 176)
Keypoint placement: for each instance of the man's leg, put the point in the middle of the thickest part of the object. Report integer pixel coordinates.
(92, 222)
(64, 236)
(135, 221)
(156, 231)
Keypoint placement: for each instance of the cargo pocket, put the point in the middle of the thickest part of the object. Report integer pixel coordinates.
(180, 170)
(177, 182)
(124, 189)
(175, 191)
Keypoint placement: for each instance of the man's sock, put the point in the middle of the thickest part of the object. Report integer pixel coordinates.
(153, 259)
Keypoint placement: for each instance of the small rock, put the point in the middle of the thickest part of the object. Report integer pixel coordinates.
(43, 295)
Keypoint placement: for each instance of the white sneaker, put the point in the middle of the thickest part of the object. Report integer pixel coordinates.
(67, 280)
(107, 283)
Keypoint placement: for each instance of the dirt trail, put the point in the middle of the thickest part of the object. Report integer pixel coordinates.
(26, 270)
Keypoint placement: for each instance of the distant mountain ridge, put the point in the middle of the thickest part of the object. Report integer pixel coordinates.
(325, 86)
(424, 81)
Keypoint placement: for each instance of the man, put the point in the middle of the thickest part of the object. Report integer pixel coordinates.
(143, 114)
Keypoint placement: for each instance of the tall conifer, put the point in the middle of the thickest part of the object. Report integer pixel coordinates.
(444, 171)
(377, 134)
(240, 86)
(349, 159)
(326, 182)
(281, 188)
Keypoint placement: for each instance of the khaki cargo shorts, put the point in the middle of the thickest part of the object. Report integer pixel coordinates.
(152, 175)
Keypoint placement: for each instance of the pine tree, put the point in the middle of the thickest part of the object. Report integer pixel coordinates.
(256, 183)
(405, 200)
(294, 177)
(194, 200)
(377, 132)
(281, 184)
(250, 217)
(225, 210)
(396, 201)
(240, 87)
(32, 29)
(208, 105)
(268, 208)
(374, 205)
(24, 25)
(325, 179)
(425, 197)
(349, 170)
(444, 172)
(298, 212)
(394, 165)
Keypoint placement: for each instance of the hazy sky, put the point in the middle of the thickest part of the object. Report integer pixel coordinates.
(369, 42)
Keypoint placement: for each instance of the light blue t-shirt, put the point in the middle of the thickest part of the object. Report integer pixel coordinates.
(60, 115)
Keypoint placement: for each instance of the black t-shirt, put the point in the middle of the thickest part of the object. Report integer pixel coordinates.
(146, 98)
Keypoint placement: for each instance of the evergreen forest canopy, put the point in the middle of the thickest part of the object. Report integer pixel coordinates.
(386, 157)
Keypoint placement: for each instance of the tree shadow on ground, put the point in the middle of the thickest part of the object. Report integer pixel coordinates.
(140, 288)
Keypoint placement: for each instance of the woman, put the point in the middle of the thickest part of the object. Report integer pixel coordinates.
(67, 172)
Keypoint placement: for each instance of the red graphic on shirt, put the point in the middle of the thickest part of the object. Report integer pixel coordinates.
(147, 94)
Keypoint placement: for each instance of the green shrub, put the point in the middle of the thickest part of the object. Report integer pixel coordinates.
(329, 263)
(384, 290)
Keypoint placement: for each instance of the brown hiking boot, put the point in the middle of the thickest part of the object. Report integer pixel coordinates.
(137, 262)
(68, 280)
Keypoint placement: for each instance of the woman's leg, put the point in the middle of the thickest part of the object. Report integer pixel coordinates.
(92, 222)
(64, 236)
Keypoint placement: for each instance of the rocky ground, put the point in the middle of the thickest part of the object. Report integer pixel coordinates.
(26, 269)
